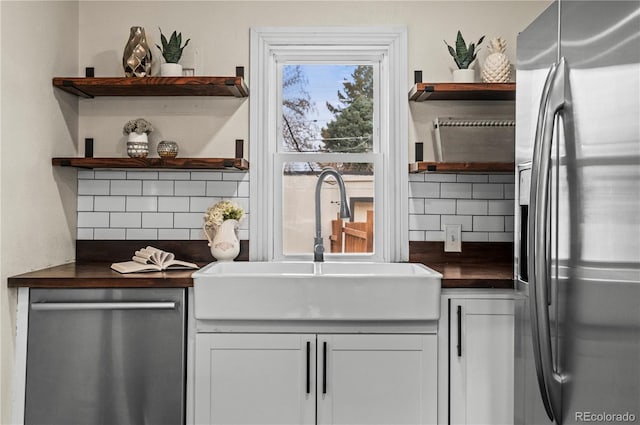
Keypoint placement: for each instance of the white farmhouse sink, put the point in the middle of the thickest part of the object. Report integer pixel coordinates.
(317, 291)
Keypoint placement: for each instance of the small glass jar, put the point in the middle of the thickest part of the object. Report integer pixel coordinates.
(167, 149)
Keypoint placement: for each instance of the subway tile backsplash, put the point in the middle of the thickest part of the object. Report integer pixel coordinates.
(483, 204)
(143, 204)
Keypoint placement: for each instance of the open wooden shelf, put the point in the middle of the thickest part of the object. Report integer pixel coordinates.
(179, 163)
(421, 92)
(89, 87)
(458, 167)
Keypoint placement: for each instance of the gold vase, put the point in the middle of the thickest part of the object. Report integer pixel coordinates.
(136, 59)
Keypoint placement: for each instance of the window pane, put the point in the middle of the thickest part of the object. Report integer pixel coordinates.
(351, 235)
(327, 108)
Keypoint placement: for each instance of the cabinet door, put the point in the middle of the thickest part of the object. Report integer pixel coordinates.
(255, 379)
(377, 379)
(481, 361)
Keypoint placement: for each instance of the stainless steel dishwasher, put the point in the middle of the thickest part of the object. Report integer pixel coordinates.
(106, 356)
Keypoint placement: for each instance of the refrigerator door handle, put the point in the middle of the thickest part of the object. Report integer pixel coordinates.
(552, 102)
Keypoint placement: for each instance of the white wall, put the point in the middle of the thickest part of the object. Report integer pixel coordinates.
(219, 32)
(38, 210)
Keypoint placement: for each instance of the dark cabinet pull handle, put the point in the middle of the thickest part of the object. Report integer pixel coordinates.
(459, 331)
(308, 367)
(324, 367)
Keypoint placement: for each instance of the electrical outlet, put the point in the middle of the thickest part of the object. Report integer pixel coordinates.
(452, 238)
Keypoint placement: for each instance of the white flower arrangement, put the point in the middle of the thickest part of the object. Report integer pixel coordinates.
(139, 125)
(223, 210)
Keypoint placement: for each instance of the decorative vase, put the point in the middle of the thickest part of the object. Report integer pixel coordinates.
(138, 145)
(167, 149)
(170, 70)
(225, 244)
(136, 58)
(464, 75)
(496, 68)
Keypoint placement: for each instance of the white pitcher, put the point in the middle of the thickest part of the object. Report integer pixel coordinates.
(225, 245)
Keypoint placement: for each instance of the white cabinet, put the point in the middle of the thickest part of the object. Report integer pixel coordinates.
(281, 378)
(479, 360)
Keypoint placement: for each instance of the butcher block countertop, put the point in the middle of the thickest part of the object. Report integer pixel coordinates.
(480, 265)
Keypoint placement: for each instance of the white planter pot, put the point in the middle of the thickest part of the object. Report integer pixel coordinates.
(170, 70)
(140, 138)
(464, 75)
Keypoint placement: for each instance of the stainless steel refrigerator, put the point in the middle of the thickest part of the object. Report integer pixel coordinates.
(577, 243)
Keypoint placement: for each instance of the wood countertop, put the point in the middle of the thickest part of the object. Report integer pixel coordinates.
(484, 266)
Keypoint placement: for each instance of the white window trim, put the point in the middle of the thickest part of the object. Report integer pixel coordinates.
(270, 42)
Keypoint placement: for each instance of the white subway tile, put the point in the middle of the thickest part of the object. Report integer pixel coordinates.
(243, 234)
(243, 189)
(157, 187)
(84, 234)
(157, 220)
(110, 233)
(110, 175)
(472, 178)
(85, 174)
(416, 235)
(173, 203)
(488, 191)
(424, 190)
(456, 190)
(488, 224)
(416, 177)
(206, 175)
(190, 188)
(424, 222)
(173, 234)
(502, 178)
(126, 187)
(126, 219)
(235, 176)
(500, 236)
(501, 207)
(463, 220)
(244, 203)
(509, 191)
(440, 177)
(475, 237)
(142, 203)
(188, 220)
(244, 222)
(142, 175)
(509, 224)
(174, 175)
(416, 206)
(440, 206)
(470, 207)
(222, 189)
(85, 203)
(433, 236)
(108, 203)
(201, 203)
(93, 187)
(142, 234)
(197, 235)
(93, 219)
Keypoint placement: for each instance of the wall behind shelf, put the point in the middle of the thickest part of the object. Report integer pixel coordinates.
(219, 32)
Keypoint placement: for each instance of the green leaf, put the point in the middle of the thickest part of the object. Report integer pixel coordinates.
(461, 47)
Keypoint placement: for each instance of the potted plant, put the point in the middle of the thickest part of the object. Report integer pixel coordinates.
(221, 222)
(137, 139)
(172, 52)
(463, 56)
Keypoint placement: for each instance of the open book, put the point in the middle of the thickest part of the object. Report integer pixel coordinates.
(151, 259)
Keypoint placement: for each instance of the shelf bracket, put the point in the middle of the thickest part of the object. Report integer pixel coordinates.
(73, 88)
(428, 91)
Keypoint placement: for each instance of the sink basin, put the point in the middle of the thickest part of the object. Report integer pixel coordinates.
(317, 291)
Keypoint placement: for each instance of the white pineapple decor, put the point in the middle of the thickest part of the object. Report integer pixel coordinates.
(497, 68)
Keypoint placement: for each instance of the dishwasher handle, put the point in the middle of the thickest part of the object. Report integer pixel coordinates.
(133, 305)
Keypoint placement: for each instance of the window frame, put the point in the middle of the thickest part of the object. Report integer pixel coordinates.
(271, 46)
